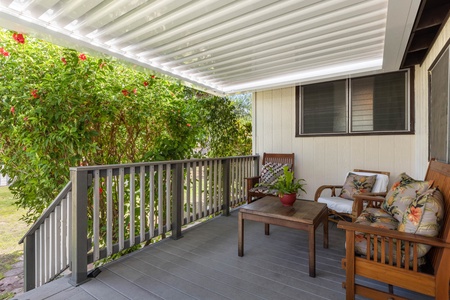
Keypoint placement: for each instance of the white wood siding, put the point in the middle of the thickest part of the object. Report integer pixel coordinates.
(326, 160)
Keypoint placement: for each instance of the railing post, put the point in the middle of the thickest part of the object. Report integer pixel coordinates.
(78, 259)
(256, 166)
(177, 211)
(226, 188)
(29, 248)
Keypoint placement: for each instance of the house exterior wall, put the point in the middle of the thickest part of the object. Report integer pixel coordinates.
(326, 160)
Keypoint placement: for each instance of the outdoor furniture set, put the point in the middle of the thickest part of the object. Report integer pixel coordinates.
(400, 237)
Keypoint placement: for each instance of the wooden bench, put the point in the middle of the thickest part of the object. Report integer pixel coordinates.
(281, 158)
(434, 282)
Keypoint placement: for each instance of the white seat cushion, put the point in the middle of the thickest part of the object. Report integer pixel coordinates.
(337, 204)
(381, 183)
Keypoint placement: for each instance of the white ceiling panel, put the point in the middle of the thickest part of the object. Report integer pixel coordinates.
(228, 46)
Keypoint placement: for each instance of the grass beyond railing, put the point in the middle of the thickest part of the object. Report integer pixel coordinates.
(107, 209)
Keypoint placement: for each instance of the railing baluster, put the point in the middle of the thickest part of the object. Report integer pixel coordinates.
(194, 191)
(96, 220)
(142, 203)
(57, 266)
(205, 188)
(215, 184)
(151, 220)
(182, 198)
(160, 199)
(109, 213)
(239, 176)
(219, 182)
(121, 208)
(132, 206)
(42, 254)
(200, 189)
(69, 230)
(188, 192)
(210, 183)
(63, 233)
(168, 206)
(47, 249)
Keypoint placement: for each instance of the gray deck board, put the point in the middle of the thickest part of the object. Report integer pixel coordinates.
(204, 264)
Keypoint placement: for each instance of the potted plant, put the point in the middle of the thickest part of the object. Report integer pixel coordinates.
(287, 187)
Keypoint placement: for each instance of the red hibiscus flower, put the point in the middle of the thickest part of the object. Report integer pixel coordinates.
(19, 38)
(4, 52)
(145, 83)
(188, 125)
(153, 76)
(63, 59)
(34, 94)
(125, 92)
(82, 56)
(13, 110)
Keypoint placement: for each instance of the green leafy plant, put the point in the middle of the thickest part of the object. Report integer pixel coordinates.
(286, 184)
(60, 108)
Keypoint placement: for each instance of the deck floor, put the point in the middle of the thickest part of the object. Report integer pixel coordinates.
(204, 265)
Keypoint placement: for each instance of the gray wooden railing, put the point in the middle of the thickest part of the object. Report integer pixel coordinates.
(106, 209)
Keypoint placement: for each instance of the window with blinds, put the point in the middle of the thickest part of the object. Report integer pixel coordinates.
(324, 107)
(379, 103)
(371, 104)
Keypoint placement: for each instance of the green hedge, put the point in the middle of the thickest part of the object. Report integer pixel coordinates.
(61, 108)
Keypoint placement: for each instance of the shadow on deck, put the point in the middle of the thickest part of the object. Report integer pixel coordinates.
(204, 265)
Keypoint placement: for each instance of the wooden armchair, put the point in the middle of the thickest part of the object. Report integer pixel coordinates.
(280, 158)
(344, 209)
(384, 246)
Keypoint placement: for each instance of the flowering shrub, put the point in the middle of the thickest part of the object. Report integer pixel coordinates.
(61, 108)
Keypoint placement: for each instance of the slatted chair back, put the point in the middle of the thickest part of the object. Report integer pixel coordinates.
(282, 158)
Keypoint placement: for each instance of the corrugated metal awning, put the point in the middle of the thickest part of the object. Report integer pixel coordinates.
(228, 46)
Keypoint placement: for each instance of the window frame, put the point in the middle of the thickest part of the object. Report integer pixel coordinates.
(409, 109)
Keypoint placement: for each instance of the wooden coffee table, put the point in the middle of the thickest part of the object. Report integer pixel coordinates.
(304, 215)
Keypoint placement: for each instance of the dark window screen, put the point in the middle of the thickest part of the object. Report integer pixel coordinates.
(439, 101)
(379, 103)
(324, 107)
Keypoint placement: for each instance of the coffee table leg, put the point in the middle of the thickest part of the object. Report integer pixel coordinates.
(240, 235)
(325, 231)
(267, 229)
(312, 251)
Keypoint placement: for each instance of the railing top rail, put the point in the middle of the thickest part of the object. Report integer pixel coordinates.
(48, 211)
(141, 164)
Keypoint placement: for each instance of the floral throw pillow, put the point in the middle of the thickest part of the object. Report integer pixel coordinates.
(424, 216)
(271, 171)
(357, 184)
(402, 193)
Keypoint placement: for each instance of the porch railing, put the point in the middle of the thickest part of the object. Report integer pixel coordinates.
(104, 210)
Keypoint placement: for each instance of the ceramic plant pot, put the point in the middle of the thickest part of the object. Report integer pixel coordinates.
(288, 199)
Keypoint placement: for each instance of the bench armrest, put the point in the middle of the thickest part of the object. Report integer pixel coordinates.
(372, 199)
(393, 234)
(251, 181)
(325, 187)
